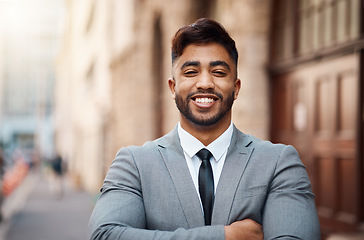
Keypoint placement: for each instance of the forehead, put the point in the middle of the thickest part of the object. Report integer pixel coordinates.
(204, 54)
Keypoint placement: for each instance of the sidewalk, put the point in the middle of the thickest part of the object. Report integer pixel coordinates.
(32, 212)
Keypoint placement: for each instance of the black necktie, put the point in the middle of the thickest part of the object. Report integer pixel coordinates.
(206, 184)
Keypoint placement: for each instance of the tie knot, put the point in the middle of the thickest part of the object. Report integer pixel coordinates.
(204, 154)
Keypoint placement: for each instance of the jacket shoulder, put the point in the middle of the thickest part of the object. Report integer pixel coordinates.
(252, 141)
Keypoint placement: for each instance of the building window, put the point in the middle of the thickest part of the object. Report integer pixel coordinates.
(303, 27)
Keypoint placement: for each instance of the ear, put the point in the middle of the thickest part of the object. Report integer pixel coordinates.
(237, 88)
(172, 86)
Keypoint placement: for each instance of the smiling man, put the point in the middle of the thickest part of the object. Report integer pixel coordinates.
(205, 179)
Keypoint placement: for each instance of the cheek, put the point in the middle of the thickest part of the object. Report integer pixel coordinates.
(184, 87)
(226, 88)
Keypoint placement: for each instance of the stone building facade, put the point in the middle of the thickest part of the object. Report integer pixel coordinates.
(113, 69)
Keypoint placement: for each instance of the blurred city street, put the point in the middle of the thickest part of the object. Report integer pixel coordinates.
(81, 79)
(35, 212)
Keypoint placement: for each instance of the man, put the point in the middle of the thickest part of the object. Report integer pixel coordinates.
(241, 189)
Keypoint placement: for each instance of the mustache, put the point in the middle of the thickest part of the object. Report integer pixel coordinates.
(219, 95)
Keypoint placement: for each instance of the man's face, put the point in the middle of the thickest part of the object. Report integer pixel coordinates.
(204, 84)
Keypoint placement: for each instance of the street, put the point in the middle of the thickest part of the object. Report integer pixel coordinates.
(36, 213)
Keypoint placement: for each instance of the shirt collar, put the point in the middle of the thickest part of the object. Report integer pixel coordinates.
(192, 145)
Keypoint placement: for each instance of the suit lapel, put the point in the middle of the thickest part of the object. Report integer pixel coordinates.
(236, 160)
(173, 156)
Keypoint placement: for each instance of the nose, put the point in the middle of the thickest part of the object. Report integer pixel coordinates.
(205, 81)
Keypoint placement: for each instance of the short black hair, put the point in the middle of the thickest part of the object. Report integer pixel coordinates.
(203, 31)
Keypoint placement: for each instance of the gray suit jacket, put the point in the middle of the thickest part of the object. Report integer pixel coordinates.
(148, 193)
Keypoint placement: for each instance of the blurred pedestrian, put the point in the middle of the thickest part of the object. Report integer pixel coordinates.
(57, 176)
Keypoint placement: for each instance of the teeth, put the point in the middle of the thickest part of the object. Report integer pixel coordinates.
(204, 100)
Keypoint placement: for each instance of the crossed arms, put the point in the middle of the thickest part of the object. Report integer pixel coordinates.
(120, 212)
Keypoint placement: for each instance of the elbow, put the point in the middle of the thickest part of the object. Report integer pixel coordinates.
(104, 232)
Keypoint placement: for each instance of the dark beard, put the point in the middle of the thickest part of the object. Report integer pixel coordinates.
(184, 109)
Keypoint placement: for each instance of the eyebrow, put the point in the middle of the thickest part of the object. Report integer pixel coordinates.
(219, 63)
(212, 64)
(190, 63)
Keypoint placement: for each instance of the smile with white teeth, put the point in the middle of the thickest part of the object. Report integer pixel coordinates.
(204, 100)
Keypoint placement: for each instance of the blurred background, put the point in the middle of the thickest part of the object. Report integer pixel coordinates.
(80, 79)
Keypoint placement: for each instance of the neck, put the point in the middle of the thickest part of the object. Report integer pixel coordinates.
(206, 134)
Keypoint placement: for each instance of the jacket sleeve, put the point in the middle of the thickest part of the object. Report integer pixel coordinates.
(119, 212)
(290, 211)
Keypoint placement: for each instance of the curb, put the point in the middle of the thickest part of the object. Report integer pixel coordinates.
(16, 201)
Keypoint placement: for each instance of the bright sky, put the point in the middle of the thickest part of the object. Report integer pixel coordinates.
(21, 17)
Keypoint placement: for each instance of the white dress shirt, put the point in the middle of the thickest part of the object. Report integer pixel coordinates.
(218, 148)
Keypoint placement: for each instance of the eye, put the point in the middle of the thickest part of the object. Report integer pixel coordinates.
(219, 73)
(190, 73)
